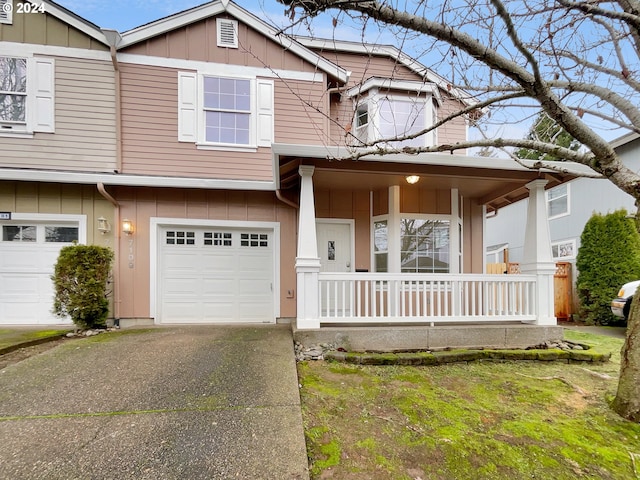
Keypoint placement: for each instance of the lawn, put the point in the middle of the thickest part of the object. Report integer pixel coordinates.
(482, 420)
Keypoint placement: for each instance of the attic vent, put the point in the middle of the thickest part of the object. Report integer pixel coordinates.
(6, 11)
(227, 32)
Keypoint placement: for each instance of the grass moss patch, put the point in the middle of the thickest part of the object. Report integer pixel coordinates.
(490, 419)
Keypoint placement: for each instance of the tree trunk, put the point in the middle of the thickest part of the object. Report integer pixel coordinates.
(627, 401)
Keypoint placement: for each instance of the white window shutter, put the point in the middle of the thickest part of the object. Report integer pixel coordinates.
(40, 75)
(265, 114)
(6, 11)
(187, 107)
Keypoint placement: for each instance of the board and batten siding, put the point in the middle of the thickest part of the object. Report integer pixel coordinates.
(85, 123)
(45, 29)
(140, 204)
(198, 42)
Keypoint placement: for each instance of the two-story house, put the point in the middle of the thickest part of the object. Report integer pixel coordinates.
(235, 195)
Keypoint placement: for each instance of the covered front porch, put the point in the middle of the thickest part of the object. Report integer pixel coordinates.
(399, 278)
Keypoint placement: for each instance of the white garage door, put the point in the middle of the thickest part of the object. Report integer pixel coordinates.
(28, 253)
(215, 275)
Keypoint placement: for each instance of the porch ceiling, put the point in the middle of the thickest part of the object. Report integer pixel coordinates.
(494, 188)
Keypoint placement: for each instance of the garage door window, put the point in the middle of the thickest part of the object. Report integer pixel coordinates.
(218, 239)
(254, 240)
(61, 234)
(19, 233)
(181, 238)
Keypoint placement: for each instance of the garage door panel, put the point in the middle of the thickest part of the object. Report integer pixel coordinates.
(231, 276)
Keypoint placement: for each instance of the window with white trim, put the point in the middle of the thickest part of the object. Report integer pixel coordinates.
(558, 201)
(225, 113)
(26, 95)
(564, 250)
(424, 245)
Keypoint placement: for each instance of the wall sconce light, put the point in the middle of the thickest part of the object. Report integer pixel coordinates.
(411, 179)
(103, 225)
(127, 226)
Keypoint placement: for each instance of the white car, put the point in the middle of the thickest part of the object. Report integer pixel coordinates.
(620, 306)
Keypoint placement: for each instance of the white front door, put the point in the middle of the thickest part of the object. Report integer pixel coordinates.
(334, 246)
(336, 255)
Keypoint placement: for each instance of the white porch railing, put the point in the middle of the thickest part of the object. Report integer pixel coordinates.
(426, 298)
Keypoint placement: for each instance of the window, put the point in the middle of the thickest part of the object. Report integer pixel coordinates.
(26, 95)
(225, 113)
(563, 250)
(60, 234)
(387, 109)
(558, 201)
(217, 239)
(397, 118)
(424, 245)
(13, 89)
(180, 238)
(19, 233)
(254, 240)
(380, 244)
(227, 106)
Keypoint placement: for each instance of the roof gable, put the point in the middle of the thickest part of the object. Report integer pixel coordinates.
(215, 8)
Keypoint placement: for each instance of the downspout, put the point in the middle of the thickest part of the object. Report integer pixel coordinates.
(116, 252)
(286, 201)
(113, 37)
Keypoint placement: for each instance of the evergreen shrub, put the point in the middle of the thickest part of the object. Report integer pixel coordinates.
(609, 256)
(80, 278)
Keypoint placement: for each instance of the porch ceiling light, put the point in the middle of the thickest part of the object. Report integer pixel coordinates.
(411, 179)
(127, 226)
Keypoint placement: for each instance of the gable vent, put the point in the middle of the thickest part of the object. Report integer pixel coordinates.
(6, 11)
(227, 33)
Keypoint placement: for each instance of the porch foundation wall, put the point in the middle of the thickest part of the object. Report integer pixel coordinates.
(408, 338)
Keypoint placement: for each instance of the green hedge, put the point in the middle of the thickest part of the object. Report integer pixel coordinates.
(609, 257)
(80, 280)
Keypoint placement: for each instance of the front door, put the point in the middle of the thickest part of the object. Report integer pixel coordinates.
(334, 246)
(334, 250)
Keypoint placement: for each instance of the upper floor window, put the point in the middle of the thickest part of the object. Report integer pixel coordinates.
(227, 107)
(26, 95)
(225, 113)
(382, 115)
(558, 201)
(13, 89)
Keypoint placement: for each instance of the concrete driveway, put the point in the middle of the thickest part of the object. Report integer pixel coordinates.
(196, 402)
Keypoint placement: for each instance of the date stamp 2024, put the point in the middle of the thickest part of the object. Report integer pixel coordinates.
(20, 7)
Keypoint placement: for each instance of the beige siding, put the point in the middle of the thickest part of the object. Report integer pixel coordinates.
(454, 130)
(57, 198)
(198, 41)
(85, 123)
(139, 205)
(44, 29)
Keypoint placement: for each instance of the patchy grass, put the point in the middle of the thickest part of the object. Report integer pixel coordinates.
(12, 336)
(481, 420)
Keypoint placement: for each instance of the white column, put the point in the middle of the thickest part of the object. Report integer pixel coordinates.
(393, 230)
(537, 258)
(307, 259)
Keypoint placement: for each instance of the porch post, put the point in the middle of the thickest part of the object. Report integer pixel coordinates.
(307, 259)
(537, 257)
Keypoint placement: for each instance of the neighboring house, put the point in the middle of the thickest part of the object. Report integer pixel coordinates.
(57, 114)
(231, 198)
(569, 207)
